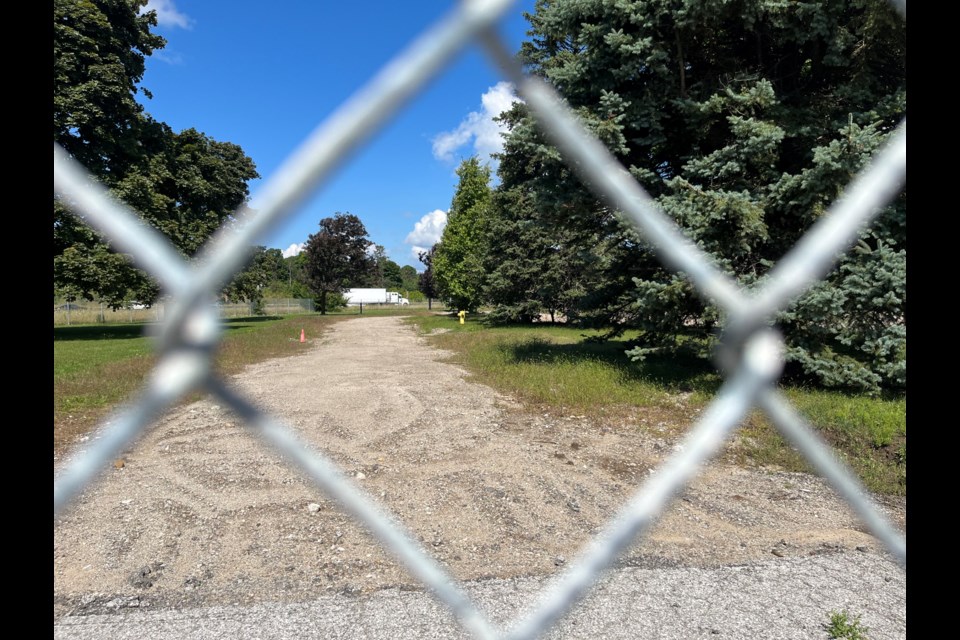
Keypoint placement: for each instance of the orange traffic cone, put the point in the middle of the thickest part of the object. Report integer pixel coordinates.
(303, 336)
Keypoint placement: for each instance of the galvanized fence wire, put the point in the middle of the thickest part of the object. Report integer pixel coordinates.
(750, 355)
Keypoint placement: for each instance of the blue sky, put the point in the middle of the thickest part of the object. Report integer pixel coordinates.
(264, 75)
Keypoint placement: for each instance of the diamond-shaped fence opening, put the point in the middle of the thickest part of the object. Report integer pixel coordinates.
(750, 352)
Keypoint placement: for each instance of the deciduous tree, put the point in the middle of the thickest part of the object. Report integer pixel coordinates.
(184, 184)
(337, 257)
(458, 259)
(426, 283)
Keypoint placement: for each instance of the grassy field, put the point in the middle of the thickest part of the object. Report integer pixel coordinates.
(96, 367)
(557, 369)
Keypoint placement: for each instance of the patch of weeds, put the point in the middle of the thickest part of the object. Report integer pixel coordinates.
(843, 627)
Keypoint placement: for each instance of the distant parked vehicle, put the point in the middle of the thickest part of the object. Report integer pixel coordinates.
(70, 306)
(356, 297)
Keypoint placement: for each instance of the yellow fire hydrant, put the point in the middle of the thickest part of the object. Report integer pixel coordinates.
(462, 315)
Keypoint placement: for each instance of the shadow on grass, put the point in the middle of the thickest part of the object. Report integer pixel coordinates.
(248, 319)
(137, 329)
(679, 372)
(232, 324)
(102, 331)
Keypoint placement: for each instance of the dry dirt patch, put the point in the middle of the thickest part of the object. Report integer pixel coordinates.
(200, 513)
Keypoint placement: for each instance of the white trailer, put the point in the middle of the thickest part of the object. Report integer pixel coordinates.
(357, 297)
(365, 296)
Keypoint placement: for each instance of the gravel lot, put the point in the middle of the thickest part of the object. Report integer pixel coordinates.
(198, 516)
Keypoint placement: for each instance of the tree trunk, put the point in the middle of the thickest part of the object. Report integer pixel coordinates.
(683, 71)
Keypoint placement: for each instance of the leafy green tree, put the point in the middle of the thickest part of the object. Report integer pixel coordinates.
(392, 278)
(184, 184)
(744, 120)
(408, 279)
(290, 279)
(188, 188)
(385, 273)
(99, 51)
(337, 257)
(251, 283)
(274, 264)
(298, 282)
(458, 258)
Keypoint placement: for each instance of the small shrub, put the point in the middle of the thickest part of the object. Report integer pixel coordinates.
(842, 627)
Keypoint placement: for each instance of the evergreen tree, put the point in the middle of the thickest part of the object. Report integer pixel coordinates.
(533, 266)
(745, 120)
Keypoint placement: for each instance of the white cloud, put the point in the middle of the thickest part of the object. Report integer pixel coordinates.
(426, 232)
(479, 126)
(294, 249)
(170, 57)
(167, 14)
(415, 251)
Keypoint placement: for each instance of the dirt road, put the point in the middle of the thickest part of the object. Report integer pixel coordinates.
(200, 514)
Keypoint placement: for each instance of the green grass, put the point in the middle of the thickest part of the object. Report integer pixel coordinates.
(869, 434)
(560, 369)
(97, 367)
(79, 350)
(94, 367)
(564, 368)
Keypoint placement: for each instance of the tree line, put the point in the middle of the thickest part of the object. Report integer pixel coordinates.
(185, 184)
(340, 255)
(744, 120)
(320, 274)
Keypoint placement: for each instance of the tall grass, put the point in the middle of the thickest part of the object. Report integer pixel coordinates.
(568, 368)
(562, 369)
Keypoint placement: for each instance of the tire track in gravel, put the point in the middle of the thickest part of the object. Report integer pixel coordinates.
(201, 514)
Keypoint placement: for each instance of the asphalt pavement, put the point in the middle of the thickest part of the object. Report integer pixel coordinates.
(783, 599)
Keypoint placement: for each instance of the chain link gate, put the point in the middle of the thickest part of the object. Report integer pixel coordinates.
(749, 353)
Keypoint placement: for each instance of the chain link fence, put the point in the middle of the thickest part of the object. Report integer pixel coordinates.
(750, 353)
(85, 312)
